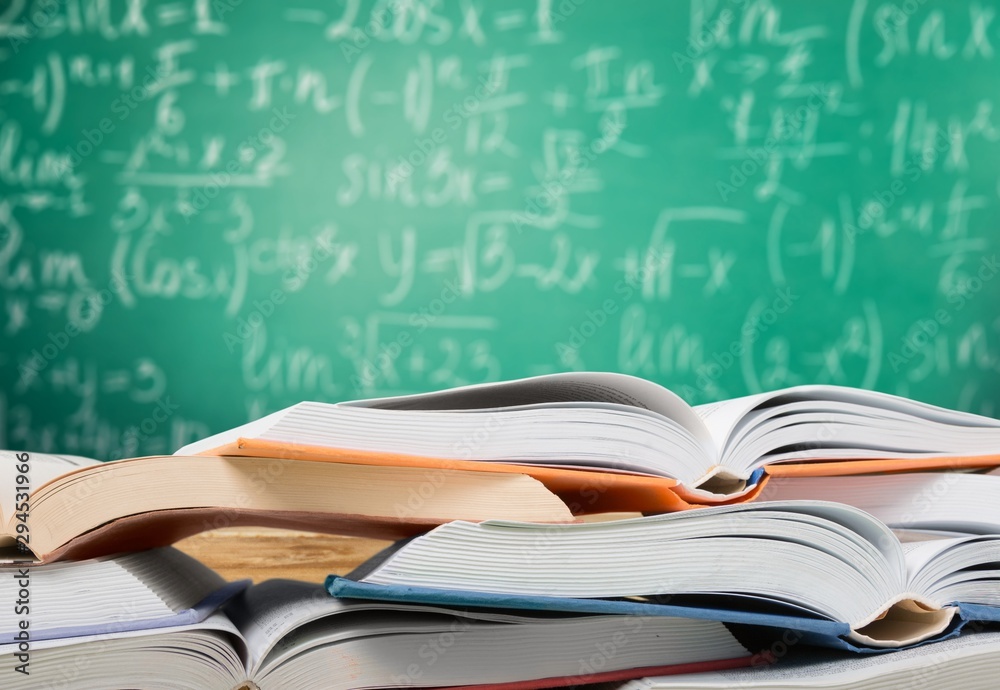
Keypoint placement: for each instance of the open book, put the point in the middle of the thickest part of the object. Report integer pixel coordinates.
(813, 560)
(933, 503)
(971, 662)
(22, 473)
(147, 590)
(283, 634)
(140, 503)
(622, 424)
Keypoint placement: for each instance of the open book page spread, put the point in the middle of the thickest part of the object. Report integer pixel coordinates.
(830, 422)
(616, 423)
(799, 553)
(853, 520)
(283, 634)
(267, 612)
(968, 662)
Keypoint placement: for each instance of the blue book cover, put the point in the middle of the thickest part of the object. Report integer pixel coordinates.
(807, 628)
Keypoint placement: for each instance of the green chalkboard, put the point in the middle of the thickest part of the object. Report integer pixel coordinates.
(212, 209)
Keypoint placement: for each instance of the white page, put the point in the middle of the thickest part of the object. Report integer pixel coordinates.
(268, 611)
(571, 386)
(724, 418)
(125, 591)
(217, 621)
(595, 434)
(271, 611)
(42, 467)
(831, 669)
(589, 420)
(731, 549)
(955, 502)
(919, 554)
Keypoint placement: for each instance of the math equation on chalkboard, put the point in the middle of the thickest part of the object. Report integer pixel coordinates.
(212, 209)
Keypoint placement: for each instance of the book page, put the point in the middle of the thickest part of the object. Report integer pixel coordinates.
(929, 667)
(42, 467)
(567, 387)
(267, 612)
(839, 421)
(887, 402)
(721, 418)
(955, 502)
(209, 653)
(215, 622)
(726, 419)
(747, 549)
(276, 616)
(619, 389)
(147, 589)
(920, 553)
(909, 536)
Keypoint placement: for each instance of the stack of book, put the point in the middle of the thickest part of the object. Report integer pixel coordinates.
(560, 530)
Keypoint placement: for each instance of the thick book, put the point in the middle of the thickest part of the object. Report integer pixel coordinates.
(652, 451)
(283, 634)
(926, 504)
(827, 569)
(971, 662)
(152, 589)
(92, 509)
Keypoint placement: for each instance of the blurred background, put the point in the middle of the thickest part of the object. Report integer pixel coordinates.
(213, 209)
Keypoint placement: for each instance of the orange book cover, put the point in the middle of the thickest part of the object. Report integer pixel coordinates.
(595, 491)
(584, 491)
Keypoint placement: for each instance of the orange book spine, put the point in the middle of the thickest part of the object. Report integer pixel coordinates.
(584, 491)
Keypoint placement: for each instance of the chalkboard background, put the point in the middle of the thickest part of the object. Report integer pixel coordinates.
(213, 209)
